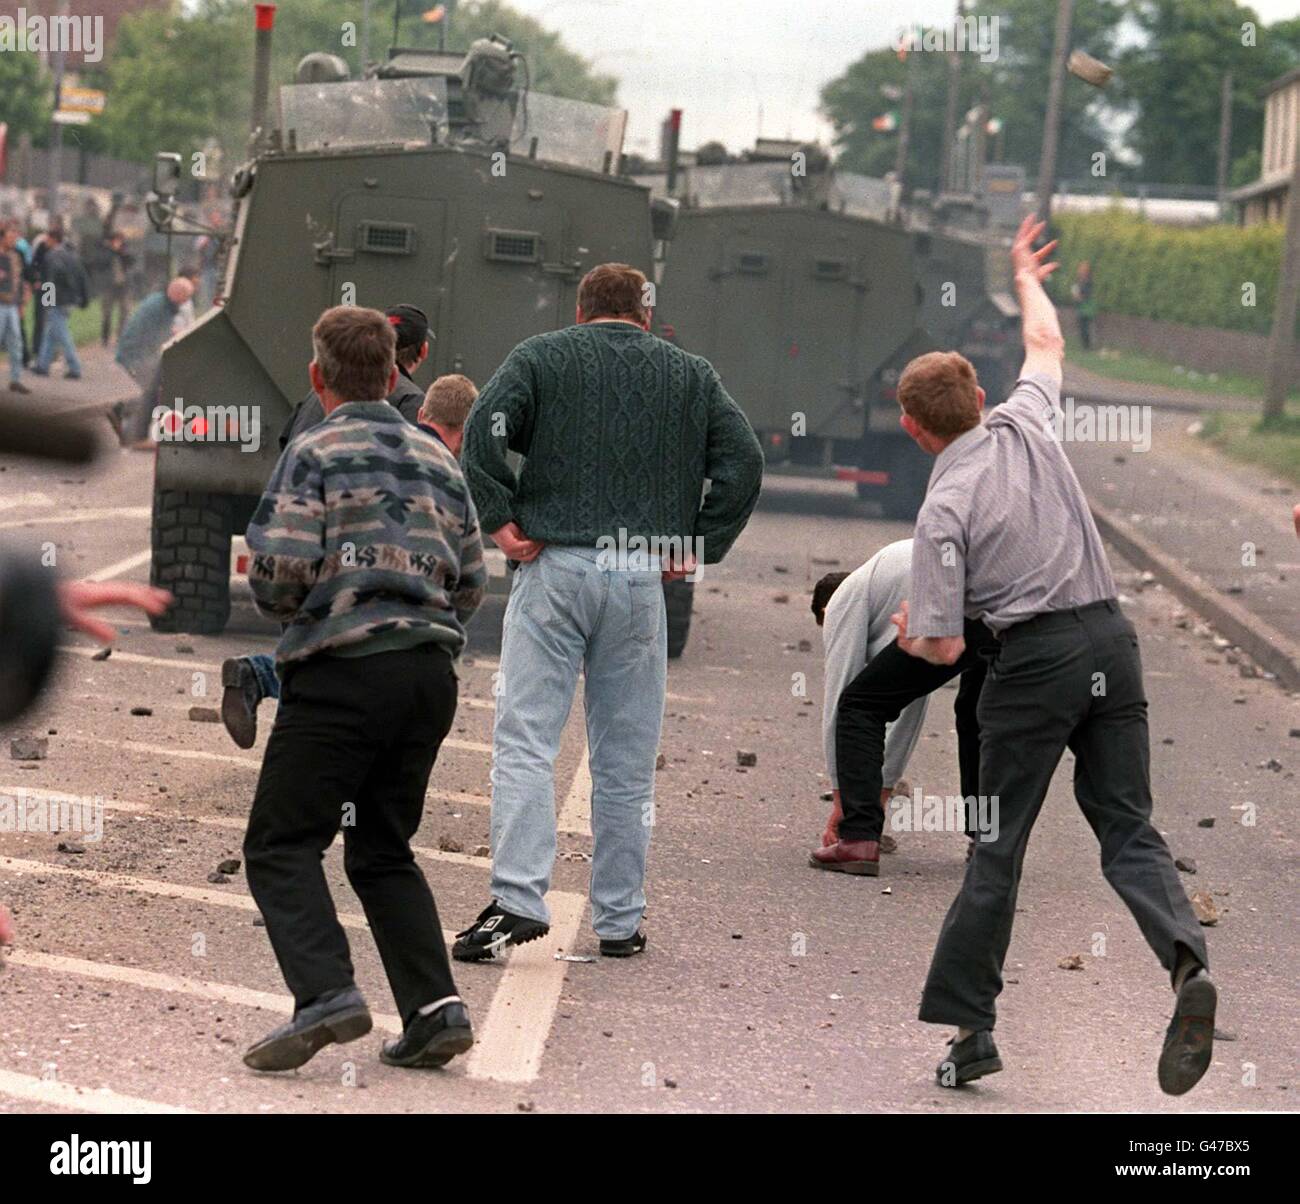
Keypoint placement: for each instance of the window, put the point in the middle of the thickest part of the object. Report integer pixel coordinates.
(387, 238)
(513, 246)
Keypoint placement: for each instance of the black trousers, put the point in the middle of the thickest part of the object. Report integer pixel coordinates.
(1065, 679)
(890, 682)
(354, 741)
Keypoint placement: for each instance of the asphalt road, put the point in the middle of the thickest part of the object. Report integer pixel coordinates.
(135, 983)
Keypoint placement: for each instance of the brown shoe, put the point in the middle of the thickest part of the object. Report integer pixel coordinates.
(848, 857)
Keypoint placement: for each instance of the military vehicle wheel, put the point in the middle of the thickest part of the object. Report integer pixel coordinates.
(678, 597)
(909, 475)
(191, 558)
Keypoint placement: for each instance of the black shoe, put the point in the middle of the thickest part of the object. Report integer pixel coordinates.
(239, 702)
(1189, 1039)
(337, 1016)
(628, 947)
(431, 1040)
(17, 386)
(494, 929)
(72, 376)
(970, 1059)
(40, 371)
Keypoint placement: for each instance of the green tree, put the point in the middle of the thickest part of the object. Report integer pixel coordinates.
(28, 96)
(180, 78)
(1014, 85)
(1171, 80)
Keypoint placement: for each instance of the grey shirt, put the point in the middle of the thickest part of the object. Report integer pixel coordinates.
(855, 630)
(1005, 532)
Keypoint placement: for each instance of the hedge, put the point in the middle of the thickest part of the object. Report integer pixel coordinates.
(1193, 275)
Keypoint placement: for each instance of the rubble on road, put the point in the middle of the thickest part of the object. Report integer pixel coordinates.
(29, 748)
(1071, 961)
(1207, 911)
(204, 715)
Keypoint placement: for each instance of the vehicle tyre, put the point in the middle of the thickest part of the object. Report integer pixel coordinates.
(191, 558)
(678, 597)
(909, 477)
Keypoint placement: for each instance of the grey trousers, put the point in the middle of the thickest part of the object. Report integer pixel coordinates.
(1064, 679)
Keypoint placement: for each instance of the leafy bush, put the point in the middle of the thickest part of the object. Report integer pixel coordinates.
(1197, 276)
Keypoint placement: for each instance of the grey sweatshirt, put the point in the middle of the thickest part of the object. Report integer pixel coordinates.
(857, 628)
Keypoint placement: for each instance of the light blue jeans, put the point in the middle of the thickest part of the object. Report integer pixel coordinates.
(11, 339)
(569, 611)
(57, 337)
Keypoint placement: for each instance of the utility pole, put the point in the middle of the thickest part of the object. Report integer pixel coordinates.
(905, 125)
(1279, 375)
(950, 112)
(1052, 122)
(56, 140)
(1225, 142)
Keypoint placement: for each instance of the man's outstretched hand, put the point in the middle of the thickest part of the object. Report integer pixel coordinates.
(1024, 259)
(516, 545)
(77, 599)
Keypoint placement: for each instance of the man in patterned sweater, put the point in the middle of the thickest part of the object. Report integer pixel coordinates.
(366, 547)
(619, 431)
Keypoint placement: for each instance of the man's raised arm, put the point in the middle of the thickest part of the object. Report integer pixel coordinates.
(1044, 343)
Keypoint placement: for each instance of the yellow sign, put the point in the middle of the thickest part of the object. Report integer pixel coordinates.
(81, 100)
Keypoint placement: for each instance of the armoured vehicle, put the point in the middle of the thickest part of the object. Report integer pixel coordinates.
(441, 180)
(809, 290)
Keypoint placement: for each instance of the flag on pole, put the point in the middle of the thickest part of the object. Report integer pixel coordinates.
(434, 15)
(886, 123)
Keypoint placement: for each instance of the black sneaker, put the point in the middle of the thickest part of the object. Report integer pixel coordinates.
(17, 386)
(239, 702)
(970, 1059)
(337, 1016)
(494, 929)
(628, 947)
(1189, 1039)
(432, 1040)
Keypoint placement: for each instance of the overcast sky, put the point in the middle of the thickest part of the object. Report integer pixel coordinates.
(727, 61)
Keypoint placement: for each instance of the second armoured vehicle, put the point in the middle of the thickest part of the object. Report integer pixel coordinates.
(809, 293)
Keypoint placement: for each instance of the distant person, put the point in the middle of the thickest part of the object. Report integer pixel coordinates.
(373, 563)
(247, 680)
(619, 431)
(139, 351)
(13, 290)
(411, 327)
(115, 299)
(876, 697)
(185, 315)
(1086, 307)
(42, 242)
(64, 285)
(209, 250)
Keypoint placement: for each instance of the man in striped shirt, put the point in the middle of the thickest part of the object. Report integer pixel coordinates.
(1005, 535)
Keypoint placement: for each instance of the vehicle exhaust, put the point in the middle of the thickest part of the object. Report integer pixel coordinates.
(264, 22)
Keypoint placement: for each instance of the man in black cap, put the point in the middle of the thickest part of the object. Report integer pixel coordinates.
(246, 680)
(413, 337)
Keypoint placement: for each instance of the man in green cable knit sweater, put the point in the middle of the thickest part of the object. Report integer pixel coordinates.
(619, 431)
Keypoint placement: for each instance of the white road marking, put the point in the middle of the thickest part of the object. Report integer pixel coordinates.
(136, 658)
(80, 1099)
(78, 516)
(575, 813)
(195, 754)
(176, 662)
(152, 886)
(23, 501)
(175, 984)
(121, 566)
(513, 1038)
(227, 822)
